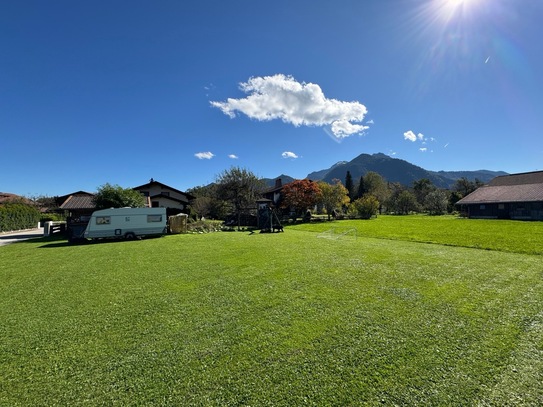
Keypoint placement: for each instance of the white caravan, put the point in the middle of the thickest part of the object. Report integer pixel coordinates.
(128, 223)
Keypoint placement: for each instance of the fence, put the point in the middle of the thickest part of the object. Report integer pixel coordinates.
(51, 228)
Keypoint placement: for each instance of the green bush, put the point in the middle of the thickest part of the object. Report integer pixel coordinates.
(365, 207)
(18, 216)
(51, 217)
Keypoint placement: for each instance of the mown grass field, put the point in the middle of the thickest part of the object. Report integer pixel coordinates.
(402, 315)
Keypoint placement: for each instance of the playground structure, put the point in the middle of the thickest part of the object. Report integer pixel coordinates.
(267, 219)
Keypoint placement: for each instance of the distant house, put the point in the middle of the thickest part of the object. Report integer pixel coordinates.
(77, 204)
(6, 197)
(515, 196)
(160, 195)
(274, 193)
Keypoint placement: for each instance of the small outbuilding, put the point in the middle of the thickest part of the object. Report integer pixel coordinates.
(514, 196)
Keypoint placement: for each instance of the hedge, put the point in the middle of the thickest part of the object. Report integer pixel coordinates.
(18, 216)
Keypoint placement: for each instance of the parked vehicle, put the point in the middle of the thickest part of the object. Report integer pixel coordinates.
(127, 223)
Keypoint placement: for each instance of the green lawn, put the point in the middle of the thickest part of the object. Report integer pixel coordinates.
(280, 319)
(508, 236)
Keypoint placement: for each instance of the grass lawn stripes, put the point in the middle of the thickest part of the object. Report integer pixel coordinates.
(274, 319)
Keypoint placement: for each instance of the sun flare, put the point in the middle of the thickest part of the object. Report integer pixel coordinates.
(451, 9)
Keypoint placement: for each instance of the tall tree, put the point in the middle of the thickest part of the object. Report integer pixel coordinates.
(301, 194)
(349, 184)
(422, 188)
(465, 186)
(240, 187)
(333, 196)
(361, 188)
(208, 203)
(376, 185)
(436, 202)
(405, 203)
(114, 196)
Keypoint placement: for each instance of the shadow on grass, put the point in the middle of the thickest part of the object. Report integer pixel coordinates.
(60, 241)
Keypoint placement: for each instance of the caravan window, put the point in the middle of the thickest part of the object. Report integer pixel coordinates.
(154, 218)
(103, 220)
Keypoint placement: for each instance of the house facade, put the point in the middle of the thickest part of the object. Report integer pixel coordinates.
(160, 195)
(515, 196)
(274, 193)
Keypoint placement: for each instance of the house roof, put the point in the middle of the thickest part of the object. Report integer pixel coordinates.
(525, 187)
(535, 177)
(61, 199)
(153, 182)
(78, 201)
(7, 197)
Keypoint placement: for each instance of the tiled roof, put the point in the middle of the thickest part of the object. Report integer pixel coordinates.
(7, 197)
(505, 193)
(78, 202)
(535, 177)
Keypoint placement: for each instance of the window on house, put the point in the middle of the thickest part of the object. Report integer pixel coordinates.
(155, 204)
(103, 220)
(482, 207)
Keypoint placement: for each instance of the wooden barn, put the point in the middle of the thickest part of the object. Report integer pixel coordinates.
(515, 196)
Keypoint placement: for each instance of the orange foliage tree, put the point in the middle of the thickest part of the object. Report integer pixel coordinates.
(301, 195)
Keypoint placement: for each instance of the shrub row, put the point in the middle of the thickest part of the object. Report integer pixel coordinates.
(18, 216)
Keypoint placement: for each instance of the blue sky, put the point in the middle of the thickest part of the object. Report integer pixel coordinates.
(122, 91)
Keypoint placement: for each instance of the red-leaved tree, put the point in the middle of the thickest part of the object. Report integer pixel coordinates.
(300, 195)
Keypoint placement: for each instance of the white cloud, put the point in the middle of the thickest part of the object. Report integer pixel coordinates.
(411, 136)
(343, 128)
(370, 122)
(289, 154)
(233, 156)
(423, 149)
(208, 155)
(300, 104)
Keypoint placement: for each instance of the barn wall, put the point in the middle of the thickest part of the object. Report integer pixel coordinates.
(517, 211)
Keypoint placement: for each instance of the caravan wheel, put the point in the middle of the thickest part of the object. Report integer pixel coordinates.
(130, 236)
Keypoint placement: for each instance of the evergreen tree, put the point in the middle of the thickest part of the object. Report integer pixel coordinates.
(349, 184)
(361, 188)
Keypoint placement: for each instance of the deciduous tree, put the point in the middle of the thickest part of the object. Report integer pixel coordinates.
(301, 194)
(333, 196)
(436, 202)
(114, 196)
(422, 188)
(376, 185)
(240, 187)
(465, 187)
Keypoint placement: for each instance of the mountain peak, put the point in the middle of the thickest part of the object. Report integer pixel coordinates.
(395, 170)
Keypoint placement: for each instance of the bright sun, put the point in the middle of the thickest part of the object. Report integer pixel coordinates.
(459, 3)
(449, 8)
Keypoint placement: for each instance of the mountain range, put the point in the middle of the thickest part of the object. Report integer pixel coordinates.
(393, 170)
